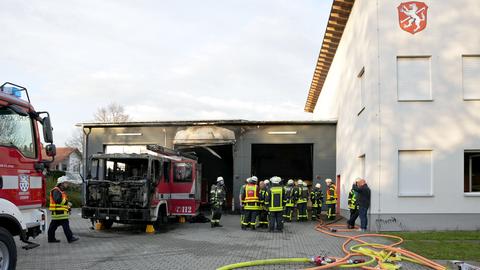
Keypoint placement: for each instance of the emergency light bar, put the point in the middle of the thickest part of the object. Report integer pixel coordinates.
(14, 90)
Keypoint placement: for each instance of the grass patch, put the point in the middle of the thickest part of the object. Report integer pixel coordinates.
(445, 245)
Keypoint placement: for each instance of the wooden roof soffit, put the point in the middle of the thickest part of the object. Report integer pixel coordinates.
(337, 21)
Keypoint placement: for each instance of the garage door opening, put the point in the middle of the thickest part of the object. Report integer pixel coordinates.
(212, 167)
(289, 161)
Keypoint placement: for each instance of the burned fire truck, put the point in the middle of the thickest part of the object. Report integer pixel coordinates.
(142, 188)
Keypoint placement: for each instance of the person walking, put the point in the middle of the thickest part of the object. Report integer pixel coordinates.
(363, 202)
(290, 199)
(218, 196)
(275, 201)
(353, 205)
(59, 207)
(251, 203)
(302, 201)
(331, 200)
(316, 197)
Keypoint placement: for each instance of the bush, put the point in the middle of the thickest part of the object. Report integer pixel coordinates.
(74, 192)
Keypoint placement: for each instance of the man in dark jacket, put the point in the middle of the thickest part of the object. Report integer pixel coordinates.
(275, 201)
(59, 207)
(218, 196)
(363, 192)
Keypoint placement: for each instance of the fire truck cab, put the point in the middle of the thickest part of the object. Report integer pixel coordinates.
(142, 188)
(22, 180)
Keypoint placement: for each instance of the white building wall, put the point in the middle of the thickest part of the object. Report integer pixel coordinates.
(446, 125)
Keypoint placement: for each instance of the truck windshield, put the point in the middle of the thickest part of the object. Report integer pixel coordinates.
(17, 131)
(126, 169)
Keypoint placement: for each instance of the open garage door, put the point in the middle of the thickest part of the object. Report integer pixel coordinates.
(214, 148)
(289, 161)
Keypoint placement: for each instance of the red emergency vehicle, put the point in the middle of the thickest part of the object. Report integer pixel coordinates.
(143, 187)
(22, 180)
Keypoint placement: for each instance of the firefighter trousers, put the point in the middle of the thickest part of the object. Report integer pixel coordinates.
(276, 221)
(263, 219)
(302, 211)
(216, 215)
(250, 218)
(316, 211)
(54, 224)
(331, 211)
(287, 214)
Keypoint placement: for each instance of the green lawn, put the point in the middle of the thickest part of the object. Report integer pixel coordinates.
(445, 245)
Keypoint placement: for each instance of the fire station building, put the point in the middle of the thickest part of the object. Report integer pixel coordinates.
(234, 149)
(402, 80)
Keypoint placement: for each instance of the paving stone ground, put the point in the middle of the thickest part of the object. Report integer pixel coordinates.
(177, 246)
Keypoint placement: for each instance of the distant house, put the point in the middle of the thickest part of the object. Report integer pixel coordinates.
(67, 159)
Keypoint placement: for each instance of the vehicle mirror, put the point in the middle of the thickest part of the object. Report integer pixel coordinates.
(47, 130)
(51, 150)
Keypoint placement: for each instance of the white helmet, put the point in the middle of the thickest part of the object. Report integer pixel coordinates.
(276, 180)
(254, 179)
(290, 182)
(62, 179)
(300, 182)
(248, 180)
(220, 179)
(266, 182)
(328, 181)
(318, 185)
(305, 184)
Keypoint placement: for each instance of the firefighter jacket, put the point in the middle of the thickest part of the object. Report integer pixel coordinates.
(316, 196)
(58, 204)
(275, 198)
(290, 196)
(218, 196)
(331, 194)
(352, 200)
(262, 197)
(251, 197)
(302, 194)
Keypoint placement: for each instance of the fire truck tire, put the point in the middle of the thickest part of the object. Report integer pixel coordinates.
(107, 224)
(8, 250)
(160, 218)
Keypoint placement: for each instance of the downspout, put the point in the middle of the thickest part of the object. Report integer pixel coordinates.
(379, 115)
(86, 168)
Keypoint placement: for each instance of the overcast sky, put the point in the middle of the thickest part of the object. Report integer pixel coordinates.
(163, 60)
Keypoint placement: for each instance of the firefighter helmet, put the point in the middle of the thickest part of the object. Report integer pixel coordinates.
(290, 182)
(328, 181)
(275, 180)
(305, 184)
(318, 185)
(266, 182)
(254, 179)
(299, 182)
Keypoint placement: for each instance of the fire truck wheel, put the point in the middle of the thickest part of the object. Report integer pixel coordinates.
(107, 224)
(160, 219)
(8, 250)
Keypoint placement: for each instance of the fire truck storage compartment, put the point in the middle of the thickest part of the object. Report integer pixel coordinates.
(289, 161)
(212, 167)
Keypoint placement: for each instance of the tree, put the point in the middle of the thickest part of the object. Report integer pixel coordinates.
(113, 113)
(76, 140)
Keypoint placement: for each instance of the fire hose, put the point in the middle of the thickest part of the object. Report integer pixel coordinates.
(380, 256)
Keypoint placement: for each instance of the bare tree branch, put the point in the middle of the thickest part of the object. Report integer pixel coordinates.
(113, 113)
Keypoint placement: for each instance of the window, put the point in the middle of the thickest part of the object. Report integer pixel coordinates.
(470, 77)
(414, 79)
(361, 85)
(415, 173)
(472, 171)
(166, 171)
(156, 171)
(17, 131)
(183, 172)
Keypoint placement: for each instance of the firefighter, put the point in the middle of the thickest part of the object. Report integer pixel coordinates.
(275, 201)
(242, 203)
(60, 212)
(316, 197)
(302, 201)
(290, 199)
(251, 203)
(218, 196)
(353, 205)
(331, 200)
(263, 215)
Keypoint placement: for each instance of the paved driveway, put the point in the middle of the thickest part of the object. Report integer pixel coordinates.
(177, 246)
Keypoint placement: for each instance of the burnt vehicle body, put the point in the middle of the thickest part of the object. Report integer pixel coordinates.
(141, 188)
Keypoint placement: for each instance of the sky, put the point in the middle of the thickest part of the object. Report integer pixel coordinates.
(163, 60)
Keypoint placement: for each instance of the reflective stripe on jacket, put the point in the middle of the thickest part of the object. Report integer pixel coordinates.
(275, 199)
(316, 196)
(251, 200)
(331, 195)
(290, 195)
(302, 194)
(59, 210)
(352, 200)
